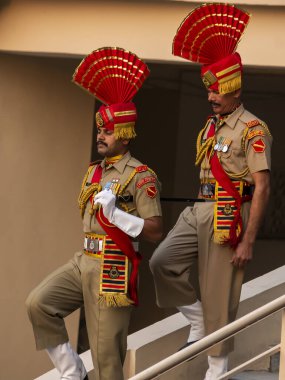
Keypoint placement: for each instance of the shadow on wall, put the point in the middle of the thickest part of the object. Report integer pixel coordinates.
(4, 3)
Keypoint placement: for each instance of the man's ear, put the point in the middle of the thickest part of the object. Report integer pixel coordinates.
(237, 93)
(126, 142)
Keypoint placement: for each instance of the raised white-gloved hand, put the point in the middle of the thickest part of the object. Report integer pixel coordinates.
(130, 224)
(107, 200)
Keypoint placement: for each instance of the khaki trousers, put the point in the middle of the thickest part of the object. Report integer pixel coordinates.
(65, 290)
(220, 282)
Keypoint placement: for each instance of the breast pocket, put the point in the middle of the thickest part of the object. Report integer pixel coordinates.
(225, 155)
(233, 161)
(126, 202)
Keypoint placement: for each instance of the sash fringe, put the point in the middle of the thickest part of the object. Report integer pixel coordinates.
(116, 300)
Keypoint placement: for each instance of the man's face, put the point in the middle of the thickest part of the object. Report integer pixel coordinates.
(223, 104)
(108, 146)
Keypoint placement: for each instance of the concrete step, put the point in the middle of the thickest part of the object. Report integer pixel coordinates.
(256, 375)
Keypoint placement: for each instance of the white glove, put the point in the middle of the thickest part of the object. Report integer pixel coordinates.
(130, 224)
(107, 200)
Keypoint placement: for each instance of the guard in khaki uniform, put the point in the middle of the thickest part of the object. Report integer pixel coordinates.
(119, 203)
(233, 152)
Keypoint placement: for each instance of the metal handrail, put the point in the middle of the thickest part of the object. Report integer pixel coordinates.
(239, 368)
(216, 337)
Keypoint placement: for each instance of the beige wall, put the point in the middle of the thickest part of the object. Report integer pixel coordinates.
(46, 125)
(144, 27)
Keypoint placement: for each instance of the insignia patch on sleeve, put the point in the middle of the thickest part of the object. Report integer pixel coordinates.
(151, 191)
(145, 180)
(255, 133)
(258, 146)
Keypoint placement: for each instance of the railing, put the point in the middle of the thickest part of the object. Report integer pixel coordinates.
(218, 336)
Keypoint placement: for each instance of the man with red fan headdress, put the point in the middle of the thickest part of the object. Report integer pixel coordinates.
(119, 203)
(233, 151)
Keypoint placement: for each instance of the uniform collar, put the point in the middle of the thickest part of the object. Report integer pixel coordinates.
(121, 164)
(232, 119)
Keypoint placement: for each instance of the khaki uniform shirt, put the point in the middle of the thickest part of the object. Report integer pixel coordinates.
(143, 188)
(249, 148)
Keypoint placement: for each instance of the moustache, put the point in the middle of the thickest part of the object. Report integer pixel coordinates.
(101, 143)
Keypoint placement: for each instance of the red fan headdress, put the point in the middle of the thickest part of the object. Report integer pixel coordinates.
(209, 35)
(114, 76)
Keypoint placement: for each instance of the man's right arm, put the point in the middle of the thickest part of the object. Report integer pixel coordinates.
(152, 229)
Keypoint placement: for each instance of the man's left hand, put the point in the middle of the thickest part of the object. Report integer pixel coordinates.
(242, 255)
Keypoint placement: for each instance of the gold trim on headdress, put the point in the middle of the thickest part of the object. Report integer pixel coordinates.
(230, 83)
(125, 131)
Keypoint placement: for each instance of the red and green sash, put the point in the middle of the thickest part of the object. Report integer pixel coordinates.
(234, 202)
(231, 221)
(124, 243)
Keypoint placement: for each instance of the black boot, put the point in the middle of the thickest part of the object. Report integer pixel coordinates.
(187, 344)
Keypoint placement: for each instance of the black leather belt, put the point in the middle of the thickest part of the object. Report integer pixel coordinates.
(208, 190)
(96, 245)
(93, 245)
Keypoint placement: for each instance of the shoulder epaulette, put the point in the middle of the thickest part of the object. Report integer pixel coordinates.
(248, 135)
(252, 123)
(144, 168)
(141, 168)
(255, 123)
(265, 126)
(138, 169)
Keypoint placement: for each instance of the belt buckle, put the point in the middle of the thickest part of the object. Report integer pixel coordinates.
(207, 190)
(93, 245)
